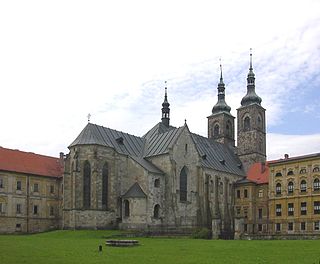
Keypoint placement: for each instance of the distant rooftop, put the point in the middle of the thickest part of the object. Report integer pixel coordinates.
(290, 159)
(30, 163)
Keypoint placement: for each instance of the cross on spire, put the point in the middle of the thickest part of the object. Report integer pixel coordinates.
(89, 116)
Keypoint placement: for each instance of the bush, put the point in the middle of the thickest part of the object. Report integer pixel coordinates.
(202, 233)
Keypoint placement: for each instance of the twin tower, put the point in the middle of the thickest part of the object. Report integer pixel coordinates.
(251, 126)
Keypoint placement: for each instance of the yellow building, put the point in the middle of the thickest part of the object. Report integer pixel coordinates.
(30, 191)
(294, 195)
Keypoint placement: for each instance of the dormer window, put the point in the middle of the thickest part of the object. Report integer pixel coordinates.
(120, 140)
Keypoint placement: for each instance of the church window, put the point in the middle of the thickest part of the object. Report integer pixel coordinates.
(105, 184)
(316, 169)
(303, 186)
(278, 188)
(156, 211)
(86, 184)
(246, 124)
(157, 183)
(186, 148)
(183, 184)
(316, 184)
(290, 187)
(216, 130)
(126, 208)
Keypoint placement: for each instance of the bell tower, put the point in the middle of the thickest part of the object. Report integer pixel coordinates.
(251, 125)
(221, 122)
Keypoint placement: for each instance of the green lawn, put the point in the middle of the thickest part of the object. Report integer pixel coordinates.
(82, 247)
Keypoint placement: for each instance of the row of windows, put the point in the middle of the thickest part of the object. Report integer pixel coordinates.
(303, 226)
(245, 193)
(35, 187)
(228, 132)
(303, 208)
(303, 186)
(302, 171)
(19, 209)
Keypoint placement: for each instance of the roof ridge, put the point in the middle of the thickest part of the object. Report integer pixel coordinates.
(30, 153)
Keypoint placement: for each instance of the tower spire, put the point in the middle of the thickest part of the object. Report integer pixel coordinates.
(165, 108)
(221, 105)
(251, 97)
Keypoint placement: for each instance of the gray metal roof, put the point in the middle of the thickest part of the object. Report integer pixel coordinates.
(135, 191)
(158, 141)
(161, 143)
(122, 142)
(217, 156)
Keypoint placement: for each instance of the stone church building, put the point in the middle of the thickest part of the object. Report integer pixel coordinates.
(168, 179)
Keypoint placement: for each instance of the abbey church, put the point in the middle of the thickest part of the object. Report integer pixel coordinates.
(168, 178)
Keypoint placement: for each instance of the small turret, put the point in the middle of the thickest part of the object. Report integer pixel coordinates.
(165, 109)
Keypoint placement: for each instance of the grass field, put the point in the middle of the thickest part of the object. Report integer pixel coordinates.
(82, 247)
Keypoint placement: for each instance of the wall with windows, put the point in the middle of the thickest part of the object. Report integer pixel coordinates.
(29, 203)
(294, 192)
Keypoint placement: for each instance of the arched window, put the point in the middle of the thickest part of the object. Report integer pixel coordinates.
(278, 188)
(156, 211)
(315, 169)
(105, 184)
(157, 183)
(216, 130)
(126, 208)
(303, 186)
(303, 170)
(183, 184)
(316, 184)
(278, 174)
(290, 187)
(86, 184)
(259, 121)
(290, 172)
(246, 124)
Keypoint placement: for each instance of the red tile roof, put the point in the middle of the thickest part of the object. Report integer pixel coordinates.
(31, 163)
(259, 173)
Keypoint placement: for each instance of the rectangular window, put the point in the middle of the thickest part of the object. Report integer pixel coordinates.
(303, 226)
(245, 212)
(51, 189)
(290, 209)
(316, 207)
(317, 225)
(278, 227)
(36, 187)
(259, 227)
(278, 209)
(18, 226)
(1, 183)
(51, 211)
(245, 193)
(19, 186)
(35, 209)
(260, 213)
(18, 209)
(260, 193)
(303, 208)
(238, 193)
(290, 226)
(245, 228)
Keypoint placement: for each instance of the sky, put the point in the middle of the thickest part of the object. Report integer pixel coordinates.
(60, 60)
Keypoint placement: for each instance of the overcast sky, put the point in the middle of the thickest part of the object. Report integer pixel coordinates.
(60, 60)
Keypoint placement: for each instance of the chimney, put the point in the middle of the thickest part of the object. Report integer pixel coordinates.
(61, 157)
(286, 156)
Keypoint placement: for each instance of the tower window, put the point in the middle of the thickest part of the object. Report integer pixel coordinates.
(216, 130)
(156, 211)
(157, 183)
(229, 129)
(246, 124)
